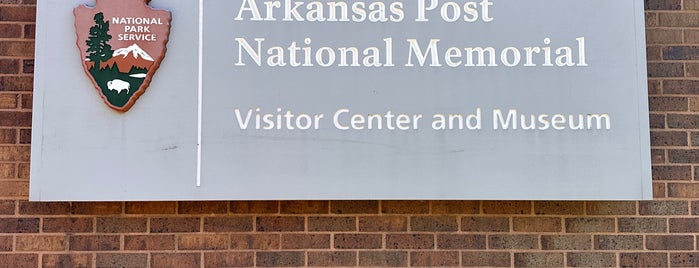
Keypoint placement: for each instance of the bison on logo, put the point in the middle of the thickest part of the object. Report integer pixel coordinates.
(122, 43)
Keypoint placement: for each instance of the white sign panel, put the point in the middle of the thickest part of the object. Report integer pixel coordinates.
(423, 99)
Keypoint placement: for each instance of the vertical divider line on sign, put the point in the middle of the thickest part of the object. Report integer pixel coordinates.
(200, 88)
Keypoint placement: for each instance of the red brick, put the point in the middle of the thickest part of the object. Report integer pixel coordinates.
(383, 224)
(684, 259)
(559, 207)
(485, 224)
(678, 19)
(668, 138)
(44, 208)
(10, 31)
(7, 207)
(94, 242)
(536, 224)
(19, 225)
(255, 241)
(26, 103)
(537, 259)
(589, 225)
(455, 207)
(383, 258)
(229, 259)
(16, 49)
(684, 225)
(19, 260)
(434, 224)
(644, 259)
(332, 224)
(8, 66)
(681, 53)
(332, 259)
(16, 83)
(618, 242)
(663, 207)
(695, 207)
(683, 190)
(665, 69)
(654, 87)
(280, 224)
(683, 156)
(23, 170)
(68, 225)
(202, 242)
(122, 225)
(688, 87)
(41, 243)
(410, 241)
(642, 225)
(7, 171)
(149, 242)
(122, 260)
(692, 70)
(507, 207)
(405, 207)
(506, 241)
(96, 208)
(14, 153)
(25, 137)
(656, 121)
(197, 207)
(460, 241)
(591, 259)
(305, 241)
(654, 53)
(659, 190)
(18, 13)
(663, 36)
(28, 68)
(280, 259)
(670, 242)
(174, 225)
(66, 260)
(672, 173)
(434, 258)
(485, 258)
(691, 36)
(611, 208)
(6, 243)
(8, 101)
(151, 207)
(662, 4)
(566, 242)
(254, 207)
(357, 241)
(13, 189)
(169, 260)
(228, 224)
(354, 207)
(667, 104)
(305, 207)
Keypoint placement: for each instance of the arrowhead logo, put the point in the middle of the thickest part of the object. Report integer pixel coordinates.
(121, 43)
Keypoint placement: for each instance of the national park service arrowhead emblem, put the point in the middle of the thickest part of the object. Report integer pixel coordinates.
(122, 43)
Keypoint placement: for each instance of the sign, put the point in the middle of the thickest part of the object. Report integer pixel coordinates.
(292, 99)
(121, 48)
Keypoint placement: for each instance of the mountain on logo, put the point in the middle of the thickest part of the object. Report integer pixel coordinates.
(132, 49)
(132, 56)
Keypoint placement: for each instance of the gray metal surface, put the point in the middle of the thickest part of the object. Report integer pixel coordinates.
(81, 150)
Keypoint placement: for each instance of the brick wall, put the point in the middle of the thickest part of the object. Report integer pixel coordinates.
(655, 233)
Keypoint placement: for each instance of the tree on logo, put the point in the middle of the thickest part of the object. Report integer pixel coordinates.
(99, 50)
